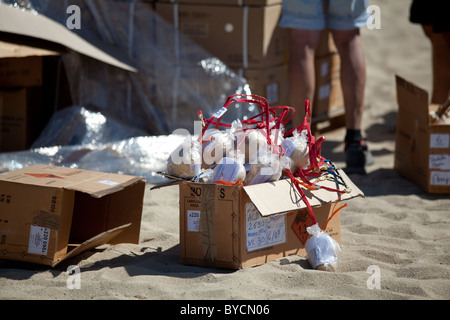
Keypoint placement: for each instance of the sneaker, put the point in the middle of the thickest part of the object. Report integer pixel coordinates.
(357, 157)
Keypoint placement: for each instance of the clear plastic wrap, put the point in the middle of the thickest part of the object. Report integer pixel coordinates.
(77, 125)
(175, 76)
(296, 148)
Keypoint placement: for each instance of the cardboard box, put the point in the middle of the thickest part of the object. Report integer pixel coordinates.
(328, 98)
(27, 23)
(228, 2)
(48, 213)
(21, 118)
(422, 148)
(22, 65)
(326, 44)
(238, 227)
(271, 83)
(33, 85)
(242, 37)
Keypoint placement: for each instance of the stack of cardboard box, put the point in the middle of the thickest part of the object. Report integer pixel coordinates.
(244, 34)
(28, 80)
(422, 144)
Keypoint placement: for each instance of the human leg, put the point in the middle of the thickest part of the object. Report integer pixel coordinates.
(440, 63)
(305, 19)
(353, 74)
(301, 70)
(353, 81)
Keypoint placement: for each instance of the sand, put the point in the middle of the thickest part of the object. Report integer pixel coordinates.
(396, 230)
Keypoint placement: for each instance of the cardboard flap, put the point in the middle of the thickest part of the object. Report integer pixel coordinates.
(13, 50)
(282, 196)
(95, 183)
(412, 99)
(105, 184)
(35, 25)
(98, 240)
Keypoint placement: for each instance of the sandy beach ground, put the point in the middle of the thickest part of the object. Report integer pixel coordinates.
(399, 229)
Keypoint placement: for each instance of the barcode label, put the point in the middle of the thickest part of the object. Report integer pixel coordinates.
(39, 239)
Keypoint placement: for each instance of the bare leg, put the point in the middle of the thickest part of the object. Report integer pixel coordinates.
(353, 74)
(301, 70)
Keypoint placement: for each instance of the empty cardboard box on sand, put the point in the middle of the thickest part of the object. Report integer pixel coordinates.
(49, 213)
(238, 227)
(422, 147)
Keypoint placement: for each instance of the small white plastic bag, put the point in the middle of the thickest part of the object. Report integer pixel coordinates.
(322, 250)
(296, 147)
(185, 160)
(215, 145)
(230, 169)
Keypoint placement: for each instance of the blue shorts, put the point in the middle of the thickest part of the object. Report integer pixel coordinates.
(309, 14)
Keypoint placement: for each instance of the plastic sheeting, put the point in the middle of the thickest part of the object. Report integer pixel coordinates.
(130, 132)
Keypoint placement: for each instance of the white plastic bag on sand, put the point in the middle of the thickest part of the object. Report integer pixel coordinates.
(229, 169)
(216, 144)
(322, 250)
(185, 161)
(296, 148)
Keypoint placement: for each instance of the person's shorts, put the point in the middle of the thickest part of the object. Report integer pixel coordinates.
(432, 13)
(309, 14)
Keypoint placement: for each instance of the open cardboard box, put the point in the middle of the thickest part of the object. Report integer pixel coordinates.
(422, 148)
(238, 227)
(49, 213)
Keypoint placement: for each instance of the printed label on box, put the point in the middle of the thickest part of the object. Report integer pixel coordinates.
(439, 161)
(193, 220)
(324, 91)
(220, 112)
(108, 182)
(39, 239)
(263, 232)
(439, 140)
(440, 178)
(272, 92)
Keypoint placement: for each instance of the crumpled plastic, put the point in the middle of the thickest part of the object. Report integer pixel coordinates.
(322, 250)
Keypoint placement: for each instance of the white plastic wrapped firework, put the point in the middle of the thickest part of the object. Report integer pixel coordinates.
(276, 134)
(230, 169)
(248, 140)
(185, 160)
(296, 148)
(216, 144)
(266, 167)
(322, 250)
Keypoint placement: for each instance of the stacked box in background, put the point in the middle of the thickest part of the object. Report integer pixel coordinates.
(422, 146)
(243, 34)
(29, 86)
(328, 102)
